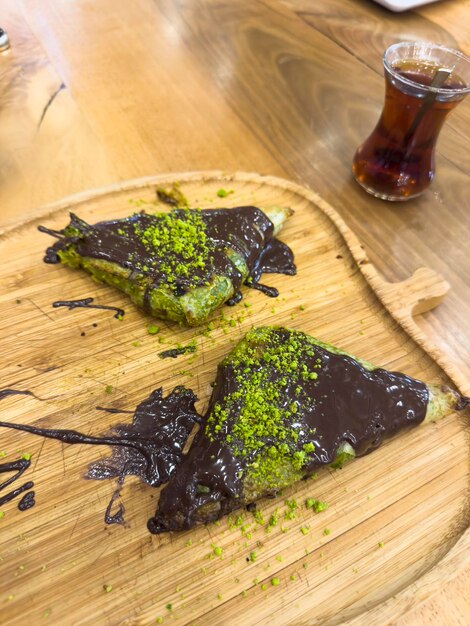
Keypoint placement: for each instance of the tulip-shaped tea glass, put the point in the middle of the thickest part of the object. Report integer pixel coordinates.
(423, 83)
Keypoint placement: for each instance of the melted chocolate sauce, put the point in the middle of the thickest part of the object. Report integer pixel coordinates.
(111, 410)
(19, 466)
(85, 303)
(161, 426)
(58, 234)
(16, 392)
(347, 403)
(27, 501)
(235, 299)
(118, 516)
(175, 352)
(150, 448)
(245, 230)
(272, 292)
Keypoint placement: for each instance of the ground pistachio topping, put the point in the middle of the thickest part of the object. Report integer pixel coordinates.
(265, 432)
(184, 250)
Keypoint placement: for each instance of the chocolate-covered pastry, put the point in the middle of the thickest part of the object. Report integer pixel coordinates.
(284, 405)
(180, 265)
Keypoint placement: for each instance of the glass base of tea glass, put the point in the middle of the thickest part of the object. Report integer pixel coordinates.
(387, 196)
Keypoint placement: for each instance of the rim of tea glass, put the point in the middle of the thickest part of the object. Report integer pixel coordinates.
(412, 83)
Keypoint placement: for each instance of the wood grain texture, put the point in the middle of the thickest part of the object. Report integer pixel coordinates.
(417, 507)
(42, 131)
(265, 86)
(288, 88)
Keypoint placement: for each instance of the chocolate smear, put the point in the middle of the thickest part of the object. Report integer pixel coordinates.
(150, 447)
(175, 352)
(85, 303)
(19, 466)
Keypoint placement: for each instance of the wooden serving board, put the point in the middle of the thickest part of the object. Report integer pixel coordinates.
(397, 518)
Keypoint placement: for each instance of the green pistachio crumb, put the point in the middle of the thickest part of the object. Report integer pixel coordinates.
(223, 193)
(275, 582)
(108, 588)
(302, 307)
(189, 543)
(292, 577)
(259, 519)
(108, 389)
(279, 558)
(327, 531)
(169, 606)
(136, 344)
(153, 330)
(316, 505)
(273, 519)
(304, 530)
(244, 593)
(219, 596)
(2, 454)
(381, 544)
(291, 504)
(305, 565)
(185, 373)
(217, 551)
(2, 514)
(264, 586)
(253, 556)
(26, 456)
(159, 620)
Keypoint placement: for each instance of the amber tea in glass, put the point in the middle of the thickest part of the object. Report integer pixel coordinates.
(423, 83)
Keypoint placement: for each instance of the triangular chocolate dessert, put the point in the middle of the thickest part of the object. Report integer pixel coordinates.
(180, 265)
(284, 405)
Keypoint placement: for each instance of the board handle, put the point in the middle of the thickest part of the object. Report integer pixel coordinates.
(421, 292)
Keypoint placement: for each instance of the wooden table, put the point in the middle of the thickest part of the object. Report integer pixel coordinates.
(96, 92)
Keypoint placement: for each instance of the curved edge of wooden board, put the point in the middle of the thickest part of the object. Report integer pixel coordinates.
(419, 293)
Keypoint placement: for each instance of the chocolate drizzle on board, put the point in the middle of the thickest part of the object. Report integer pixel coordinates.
(16, 392)
(27, 501)
(344, 402)
(150, 447)
(19, 466)
(245, 231)
(86, 303)
(111, 410)
(173, 353)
